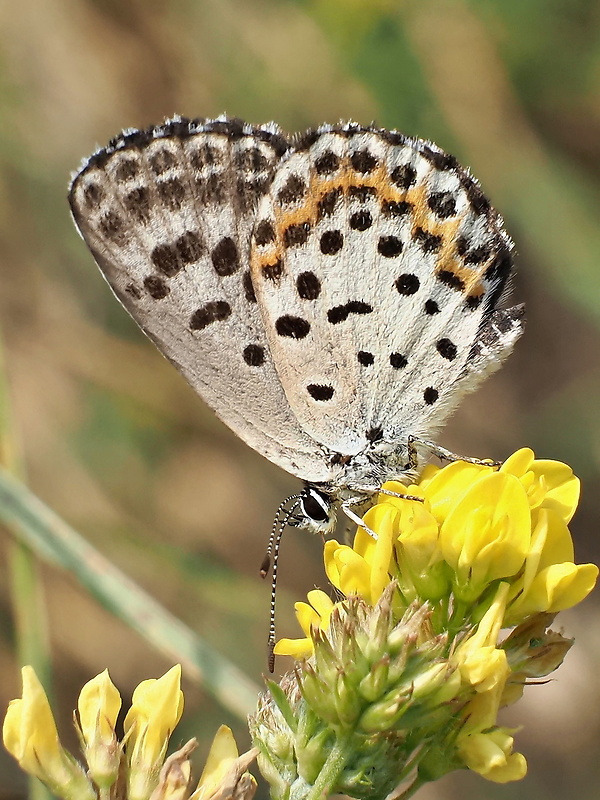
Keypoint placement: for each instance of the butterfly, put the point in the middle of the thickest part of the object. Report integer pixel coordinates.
(331, 295)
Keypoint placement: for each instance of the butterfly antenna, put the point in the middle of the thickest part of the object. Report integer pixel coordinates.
(274, 545)
(266, 562)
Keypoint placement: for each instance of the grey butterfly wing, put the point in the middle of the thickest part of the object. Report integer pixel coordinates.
(378, 264)
(167, 214)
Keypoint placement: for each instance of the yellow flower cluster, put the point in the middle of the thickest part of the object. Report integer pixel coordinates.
(487, 549)
(134, 769)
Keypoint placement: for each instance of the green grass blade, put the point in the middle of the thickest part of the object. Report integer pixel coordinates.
(52, 539)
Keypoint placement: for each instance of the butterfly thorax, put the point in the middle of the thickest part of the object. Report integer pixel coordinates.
(356, 480)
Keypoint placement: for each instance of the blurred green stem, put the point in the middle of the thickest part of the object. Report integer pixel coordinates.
(53, 540)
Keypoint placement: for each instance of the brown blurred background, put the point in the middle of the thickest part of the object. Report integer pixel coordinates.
(112, 437)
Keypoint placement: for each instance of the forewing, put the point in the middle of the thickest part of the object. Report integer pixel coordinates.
(378, 263)
(167, 214)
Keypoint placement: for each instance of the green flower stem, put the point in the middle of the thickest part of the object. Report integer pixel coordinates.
(457, 620)
(329, 774)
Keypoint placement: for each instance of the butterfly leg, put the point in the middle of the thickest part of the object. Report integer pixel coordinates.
(353, 517)
(442, 453)
(401, 495)
(358, 501)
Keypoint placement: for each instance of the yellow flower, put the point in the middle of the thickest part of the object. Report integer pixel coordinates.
(556, 588)
(481, 663)
(414, 558)
(486, 534)
(550, 581)
(98, 706)
(443, 487)
(316, 613)
(361, 570)
(549, 484)
(30, 736)
(490, 754)
(156, 709)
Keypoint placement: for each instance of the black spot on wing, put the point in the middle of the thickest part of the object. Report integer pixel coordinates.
(272, 271)
(327, 203)
(156, 287)
(331, 242)
(293, 190)
(225, 258)
(320, 392)
(292, 327)
(389, 246)
(254, 355)
(430, 395)
(430, 242)
(341, 313)
(248, 287)
(127, 169)
(138, 204)
(446, 348)
(450, 279)
(398, 361)
(364, 162)
(327, 163)
(443, 204)
(264, 233)
(364, 358)
(361, 220)
(162, 160)
(214, 311)
(407, 284)
(295, 235)
(171, 193)
(308, 286)
(404, 176)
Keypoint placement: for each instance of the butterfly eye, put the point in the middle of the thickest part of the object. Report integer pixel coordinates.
(315, 506)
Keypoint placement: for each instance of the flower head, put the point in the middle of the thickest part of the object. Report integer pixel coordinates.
(410, 666)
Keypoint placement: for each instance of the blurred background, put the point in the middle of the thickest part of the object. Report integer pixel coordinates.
(112, 438)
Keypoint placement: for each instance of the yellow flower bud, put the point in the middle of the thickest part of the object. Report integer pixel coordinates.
(30, 735)
(98, 707)
(155, 710)
(483, 665)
